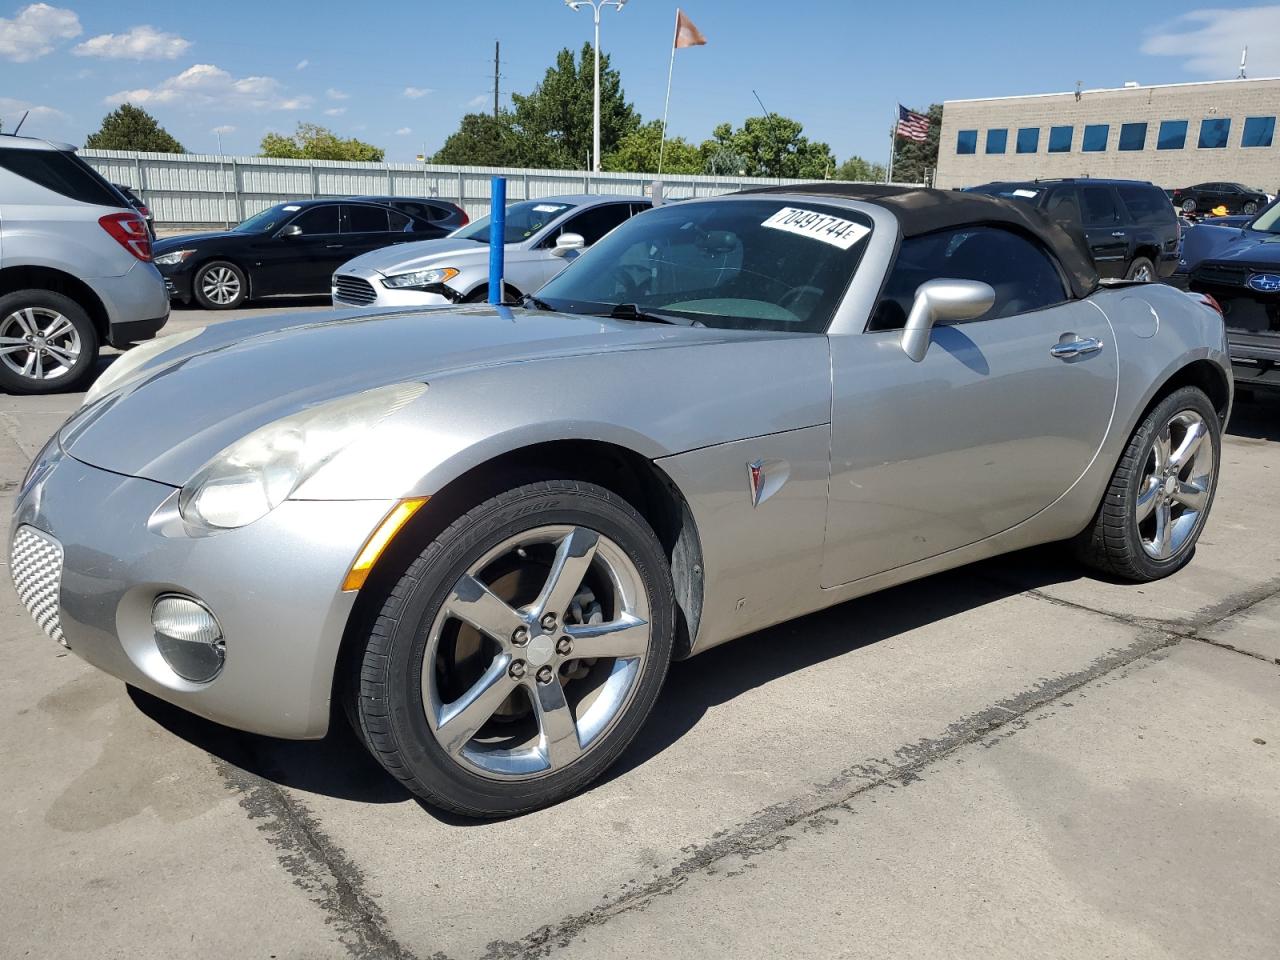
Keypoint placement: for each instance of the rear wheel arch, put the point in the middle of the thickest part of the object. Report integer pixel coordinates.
(1204, 374)
(48, 278)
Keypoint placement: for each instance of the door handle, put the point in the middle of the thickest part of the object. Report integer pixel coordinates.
(1079, 347)
(333, 246)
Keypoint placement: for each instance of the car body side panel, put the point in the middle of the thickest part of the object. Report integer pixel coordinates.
(760, 561)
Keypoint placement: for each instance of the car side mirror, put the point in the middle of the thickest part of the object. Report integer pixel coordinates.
(567, 242)
(292, 230)
(940, 301)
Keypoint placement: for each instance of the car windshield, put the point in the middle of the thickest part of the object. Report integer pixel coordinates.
(268, 219)
(1268, 221)
(524, 219)
(750, 264)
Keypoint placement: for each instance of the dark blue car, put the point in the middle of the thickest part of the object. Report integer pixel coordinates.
(1239, 266)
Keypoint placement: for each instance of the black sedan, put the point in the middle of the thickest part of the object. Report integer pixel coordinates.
(1206, 197)
(289, 249)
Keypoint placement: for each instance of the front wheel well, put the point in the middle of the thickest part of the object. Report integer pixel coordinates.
(47, 278)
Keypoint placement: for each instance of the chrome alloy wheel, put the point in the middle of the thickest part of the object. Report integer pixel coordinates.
(1176, 485)
(536, 652)
(39, 343)
(1142, 274)
(220, 285)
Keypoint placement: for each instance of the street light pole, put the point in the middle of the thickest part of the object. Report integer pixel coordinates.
(595, 6)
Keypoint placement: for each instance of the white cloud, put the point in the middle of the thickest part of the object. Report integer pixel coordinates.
(333, 94)
(335, 111)
(35, 31)
(1210, 41)
(415, 93)
(11, 112)
(477, 101)
(225, 128)
(207, 85)
(302, 64)
(138, 43)
(403, 132)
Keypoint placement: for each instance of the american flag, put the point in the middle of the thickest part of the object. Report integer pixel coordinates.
(912, 125)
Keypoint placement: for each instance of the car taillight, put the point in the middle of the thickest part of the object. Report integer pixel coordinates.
(1208, 301)
(144, 210)
(465, 219)
(130, 231)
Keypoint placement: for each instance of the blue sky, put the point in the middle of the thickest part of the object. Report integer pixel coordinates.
(400, 73)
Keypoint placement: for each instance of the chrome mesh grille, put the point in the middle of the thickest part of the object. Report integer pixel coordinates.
(37, 575)
(353, 290)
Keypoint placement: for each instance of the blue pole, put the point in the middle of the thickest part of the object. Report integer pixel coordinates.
(497, 230)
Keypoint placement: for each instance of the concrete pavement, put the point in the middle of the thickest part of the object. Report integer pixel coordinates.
(1009, 760)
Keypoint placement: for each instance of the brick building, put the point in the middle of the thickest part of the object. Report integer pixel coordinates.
(1174, 135)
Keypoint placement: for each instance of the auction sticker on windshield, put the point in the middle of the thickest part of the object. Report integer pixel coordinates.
(818, 226)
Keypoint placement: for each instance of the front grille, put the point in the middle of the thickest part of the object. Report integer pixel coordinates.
(37, 575)
(1221, 274)
(353, 290)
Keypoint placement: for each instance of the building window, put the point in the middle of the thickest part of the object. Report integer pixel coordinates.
(1173, 135)
(1258, 131)
(1095, 137)
(997, 141)
(967, 141)
(1214, 132)
(1060, 139)
(1133, 136)
(1028, 139)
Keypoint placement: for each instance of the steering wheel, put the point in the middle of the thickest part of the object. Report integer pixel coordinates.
(632, 278)
(795, 293)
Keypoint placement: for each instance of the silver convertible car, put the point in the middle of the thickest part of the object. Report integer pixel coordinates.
(485, 532)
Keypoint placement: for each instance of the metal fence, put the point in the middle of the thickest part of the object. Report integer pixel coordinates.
(205, 190)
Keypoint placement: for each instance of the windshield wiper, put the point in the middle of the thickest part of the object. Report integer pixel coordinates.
(629, 311)
(529, 300)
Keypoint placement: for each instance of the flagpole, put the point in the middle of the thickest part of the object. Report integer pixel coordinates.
(893, 144)
(671, 68)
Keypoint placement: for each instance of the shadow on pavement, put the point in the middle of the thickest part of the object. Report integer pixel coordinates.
(339, 766)
(1256, 415)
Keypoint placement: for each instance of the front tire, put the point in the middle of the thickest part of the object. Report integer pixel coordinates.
(1159, 498)
(47, 343)
(1250, 208)
(1188, 206)
(520, 652)
(220, 285)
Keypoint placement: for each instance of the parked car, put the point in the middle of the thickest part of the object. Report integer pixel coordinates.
(542, 236)
(143, 210)
(75, 268)
(1239, 266)
(1131, 230)
(430, 217)
(1235, 197)
(289, 249)
(487, 535)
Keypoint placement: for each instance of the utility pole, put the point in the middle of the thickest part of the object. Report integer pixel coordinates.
(497, 48)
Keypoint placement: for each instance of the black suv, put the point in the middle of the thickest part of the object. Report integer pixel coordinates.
(1205, 197)
(1131, 228)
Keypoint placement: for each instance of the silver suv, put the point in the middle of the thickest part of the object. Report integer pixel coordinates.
(542, 237)
(75, 268)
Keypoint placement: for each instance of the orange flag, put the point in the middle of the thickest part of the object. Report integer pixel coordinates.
(687, 35)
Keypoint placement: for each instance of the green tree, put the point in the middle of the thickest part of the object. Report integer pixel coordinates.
(916, 162)
(639, 151)
(855, 168)
(313, 142)
(774, 146)
(483, 140)
(132, 128)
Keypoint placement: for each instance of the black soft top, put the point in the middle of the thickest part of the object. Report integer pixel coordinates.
(921, 210)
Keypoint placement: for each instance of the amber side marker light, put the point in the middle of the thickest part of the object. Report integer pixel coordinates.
(378, 541)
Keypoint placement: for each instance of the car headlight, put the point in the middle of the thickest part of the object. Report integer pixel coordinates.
(420, 278)
(254, 475)
(174, 256)
(133, 358)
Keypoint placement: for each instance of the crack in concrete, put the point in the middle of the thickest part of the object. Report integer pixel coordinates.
(317, 865)
(1244, 653)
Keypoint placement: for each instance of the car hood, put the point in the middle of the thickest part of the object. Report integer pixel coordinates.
(181, 408)
(421, 255)
(177, 243)
(1237, 247)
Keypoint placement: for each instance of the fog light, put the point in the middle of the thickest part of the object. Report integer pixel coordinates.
(188, 637)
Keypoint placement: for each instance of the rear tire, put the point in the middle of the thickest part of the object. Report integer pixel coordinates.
(501, 625)
(1141, 270)
(220, 285)
(1188, 206)
(1160, 493)
(1250, 208)
(47, 343)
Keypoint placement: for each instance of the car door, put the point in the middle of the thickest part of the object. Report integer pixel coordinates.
(1104, 229)
(291, 264)
(987, 430)
(367, 227)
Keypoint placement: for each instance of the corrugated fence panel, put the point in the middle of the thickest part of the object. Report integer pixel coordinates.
(205, 190)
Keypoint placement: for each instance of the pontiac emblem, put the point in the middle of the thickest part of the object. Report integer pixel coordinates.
(766, 478)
